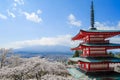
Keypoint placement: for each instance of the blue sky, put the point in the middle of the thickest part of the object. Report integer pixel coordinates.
(52, 22)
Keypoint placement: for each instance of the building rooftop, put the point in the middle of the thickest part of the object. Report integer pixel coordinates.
(98, 59)
(76, 73)
(80, 75)
(83, 33)
(110, 44)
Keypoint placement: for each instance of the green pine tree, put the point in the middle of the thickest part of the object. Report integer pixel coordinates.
(77, 53)
(111, 54)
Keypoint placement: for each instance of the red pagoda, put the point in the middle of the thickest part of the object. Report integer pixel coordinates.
(95, 60)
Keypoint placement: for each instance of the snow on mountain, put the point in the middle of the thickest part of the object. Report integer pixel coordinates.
(45, 49)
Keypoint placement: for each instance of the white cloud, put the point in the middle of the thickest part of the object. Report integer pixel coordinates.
(64, 40)
(20, 2)
(72, 20)
(11, 14)
(104, 26)
(39, 11)
(3, 16)
(33, 17)
(118, 24)
(115, 39)
(14, 4)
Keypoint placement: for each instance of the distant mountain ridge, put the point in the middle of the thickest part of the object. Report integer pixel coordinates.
(43, 51)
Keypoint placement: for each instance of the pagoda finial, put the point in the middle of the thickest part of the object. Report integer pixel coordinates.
(92, 16)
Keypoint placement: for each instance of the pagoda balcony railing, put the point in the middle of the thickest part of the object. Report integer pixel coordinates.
(96, 70)
(98, 41)
(95, 42)
(97, 52)
(98, 55)
(95, 55)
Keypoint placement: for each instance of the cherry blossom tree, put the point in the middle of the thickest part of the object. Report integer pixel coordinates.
(3, 54)
(32, 68)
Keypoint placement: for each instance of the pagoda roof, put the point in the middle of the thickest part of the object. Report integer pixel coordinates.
(110, 44)
(76, 73)
(101, 31)
(83, 33)
(81, 75)
(93, 59)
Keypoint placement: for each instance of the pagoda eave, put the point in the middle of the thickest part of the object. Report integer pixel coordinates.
(104, 33)
(78, 37)
(100, 31)
(104, 75)
(96, 60)
(77, 48)
(110, 45)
